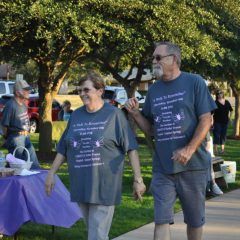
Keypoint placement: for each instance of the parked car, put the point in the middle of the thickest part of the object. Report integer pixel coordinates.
(33, 110)
(117, 96)
(6, 87)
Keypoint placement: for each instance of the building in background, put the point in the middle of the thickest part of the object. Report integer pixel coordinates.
(146, 81)
(6, 71)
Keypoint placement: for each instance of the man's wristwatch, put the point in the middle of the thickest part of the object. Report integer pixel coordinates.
(138, 180)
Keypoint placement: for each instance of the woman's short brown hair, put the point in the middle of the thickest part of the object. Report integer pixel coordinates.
(96, 79)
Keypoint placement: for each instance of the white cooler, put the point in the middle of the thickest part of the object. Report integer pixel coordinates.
(229, 169)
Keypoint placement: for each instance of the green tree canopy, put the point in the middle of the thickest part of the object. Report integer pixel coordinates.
(54, 34)
(140, 23)
(116, 34)
(227, 33)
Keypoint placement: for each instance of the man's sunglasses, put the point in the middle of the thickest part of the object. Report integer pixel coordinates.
(159, 58)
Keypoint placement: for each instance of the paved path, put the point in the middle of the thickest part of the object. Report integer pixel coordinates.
(222, 221)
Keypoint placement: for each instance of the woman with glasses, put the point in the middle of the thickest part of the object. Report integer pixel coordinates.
(221, 118)
(94, 145)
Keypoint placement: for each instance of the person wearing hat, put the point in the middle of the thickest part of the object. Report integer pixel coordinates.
(16, 124)
(221, 118)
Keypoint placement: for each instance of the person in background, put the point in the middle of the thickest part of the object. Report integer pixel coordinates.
(212, 188)
(16, 125)
(94, 144)
(221, 118)
(178, 111)
(66, 111)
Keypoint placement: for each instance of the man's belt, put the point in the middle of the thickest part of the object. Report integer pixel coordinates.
(24, 133)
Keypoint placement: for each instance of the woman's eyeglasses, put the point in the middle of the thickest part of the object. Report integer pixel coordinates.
(159, 57)
(85, 90)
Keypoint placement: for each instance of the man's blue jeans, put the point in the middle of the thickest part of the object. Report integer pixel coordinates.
(14, 141)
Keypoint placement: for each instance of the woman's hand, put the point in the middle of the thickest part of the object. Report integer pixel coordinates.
(132, 105)
(138, 190)
(49, 183)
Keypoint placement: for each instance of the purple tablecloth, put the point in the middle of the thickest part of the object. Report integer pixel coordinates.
(23, 198)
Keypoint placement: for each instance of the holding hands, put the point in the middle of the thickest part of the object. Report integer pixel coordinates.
(132, 105)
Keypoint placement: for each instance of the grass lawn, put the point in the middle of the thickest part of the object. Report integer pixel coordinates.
(130, 214)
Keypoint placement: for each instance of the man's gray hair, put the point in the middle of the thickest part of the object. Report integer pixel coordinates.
(171, 48)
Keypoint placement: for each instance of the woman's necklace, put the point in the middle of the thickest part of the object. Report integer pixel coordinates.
(96, 109)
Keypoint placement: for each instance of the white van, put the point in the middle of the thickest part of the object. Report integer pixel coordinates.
(117, 96)
(6, 87)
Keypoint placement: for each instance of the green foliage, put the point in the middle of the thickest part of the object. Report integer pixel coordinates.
(116, 35)
(30, 72)
(226, 32)
(133, 27)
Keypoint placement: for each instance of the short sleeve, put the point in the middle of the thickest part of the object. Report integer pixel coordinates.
(62, 144)
(147, 111)
(204, 102)
(7, 113)
(126, 137)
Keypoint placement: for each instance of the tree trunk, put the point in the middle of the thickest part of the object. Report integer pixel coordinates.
(237, 117)
(236, 94)
(45, 130)
(46, 94)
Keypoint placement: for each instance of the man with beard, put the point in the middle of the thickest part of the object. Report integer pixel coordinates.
(16, 124)
(177, 111)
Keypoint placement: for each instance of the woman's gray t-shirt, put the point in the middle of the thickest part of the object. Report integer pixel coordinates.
(95, 145)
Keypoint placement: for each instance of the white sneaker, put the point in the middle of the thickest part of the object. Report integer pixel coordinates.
(216, 189)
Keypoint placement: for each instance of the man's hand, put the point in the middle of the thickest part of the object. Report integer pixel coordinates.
(132, 105)
(183, 155)
(138, 190)
(49, 183)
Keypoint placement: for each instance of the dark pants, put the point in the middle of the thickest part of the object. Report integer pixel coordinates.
(14, 141)
(219, 133)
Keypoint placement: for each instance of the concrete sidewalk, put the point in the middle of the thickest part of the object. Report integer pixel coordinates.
(222, 221)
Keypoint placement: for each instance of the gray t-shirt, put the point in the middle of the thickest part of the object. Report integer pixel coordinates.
(174, 109)
(15, 117)
(95, 145)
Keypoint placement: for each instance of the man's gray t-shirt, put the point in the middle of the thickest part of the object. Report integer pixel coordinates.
(95, 145)
(15, 117)
(174, 108)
